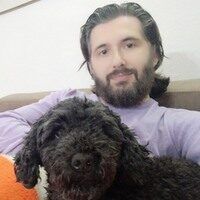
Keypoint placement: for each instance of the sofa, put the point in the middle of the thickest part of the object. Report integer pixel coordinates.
(180, 94)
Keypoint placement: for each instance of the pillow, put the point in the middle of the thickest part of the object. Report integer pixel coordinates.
(9, 188)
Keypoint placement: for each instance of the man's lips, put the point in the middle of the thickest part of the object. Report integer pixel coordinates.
(121, 77)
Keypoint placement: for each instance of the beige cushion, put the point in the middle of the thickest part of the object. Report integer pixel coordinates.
(180, 94)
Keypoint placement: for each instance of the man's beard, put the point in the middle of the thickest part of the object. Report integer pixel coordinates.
(126, 96)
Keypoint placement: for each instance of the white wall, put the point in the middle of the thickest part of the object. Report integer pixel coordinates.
(39, 43)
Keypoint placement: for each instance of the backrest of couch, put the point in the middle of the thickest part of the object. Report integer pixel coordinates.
(180, 94)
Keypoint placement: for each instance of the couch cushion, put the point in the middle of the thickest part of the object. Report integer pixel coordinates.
(180, 94)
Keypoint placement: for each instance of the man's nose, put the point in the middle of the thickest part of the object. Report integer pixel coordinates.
(118, 59)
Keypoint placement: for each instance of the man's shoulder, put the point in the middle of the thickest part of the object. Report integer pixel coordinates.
(61, 95)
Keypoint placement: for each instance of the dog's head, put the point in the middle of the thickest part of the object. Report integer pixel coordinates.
(80, 144)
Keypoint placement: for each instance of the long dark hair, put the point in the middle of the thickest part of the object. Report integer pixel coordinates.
(150, 29)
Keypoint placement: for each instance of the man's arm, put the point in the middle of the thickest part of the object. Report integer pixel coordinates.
(184, 126)
(16, 123)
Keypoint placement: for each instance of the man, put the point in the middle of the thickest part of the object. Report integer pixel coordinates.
(122, 48)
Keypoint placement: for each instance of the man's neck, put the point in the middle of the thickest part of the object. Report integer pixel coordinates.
(105, 103)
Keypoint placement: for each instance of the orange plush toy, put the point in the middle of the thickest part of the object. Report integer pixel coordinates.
(9, 188)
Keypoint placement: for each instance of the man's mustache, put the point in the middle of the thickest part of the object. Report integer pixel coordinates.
(124, 71)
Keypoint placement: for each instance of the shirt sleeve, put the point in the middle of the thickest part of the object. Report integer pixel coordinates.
(184, 126)
(14, 124)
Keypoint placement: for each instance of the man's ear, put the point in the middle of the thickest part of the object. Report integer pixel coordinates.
(154, 57)
(90, 69)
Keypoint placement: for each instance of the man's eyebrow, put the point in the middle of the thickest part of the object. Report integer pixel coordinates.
(100, 46)
(130, 38)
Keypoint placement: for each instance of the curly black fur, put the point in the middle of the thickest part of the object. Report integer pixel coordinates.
(89, 154)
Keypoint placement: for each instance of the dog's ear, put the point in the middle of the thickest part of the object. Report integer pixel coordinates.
(27, 160)
(133, 155)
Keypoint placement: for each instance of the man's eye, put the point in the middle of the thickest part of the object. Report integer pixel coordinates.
(130, 45)
(103, 52)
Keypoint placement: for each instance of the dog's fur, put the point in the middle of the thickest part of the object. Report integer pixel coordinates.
(89, 154)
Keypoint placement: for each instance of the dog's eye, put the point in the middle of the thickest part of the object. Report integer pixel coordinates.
(56, 136)
(88, 163)
(103, 146)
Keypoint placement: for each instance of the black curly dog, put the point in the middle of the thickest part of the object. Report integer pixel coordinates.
(89, 154)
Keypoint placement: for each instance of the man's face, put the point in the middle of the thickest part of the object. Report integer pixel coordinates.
(120, 60)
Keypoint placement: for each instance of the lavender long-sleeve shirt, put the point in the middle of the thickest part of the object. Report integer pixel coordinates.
(165, 131)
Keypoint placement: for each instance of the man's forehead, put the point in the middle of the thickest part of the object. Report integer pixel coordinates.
(116, 29)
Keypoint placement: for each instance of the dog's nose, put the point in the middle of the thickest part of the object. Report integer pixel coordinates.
(82, 161)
